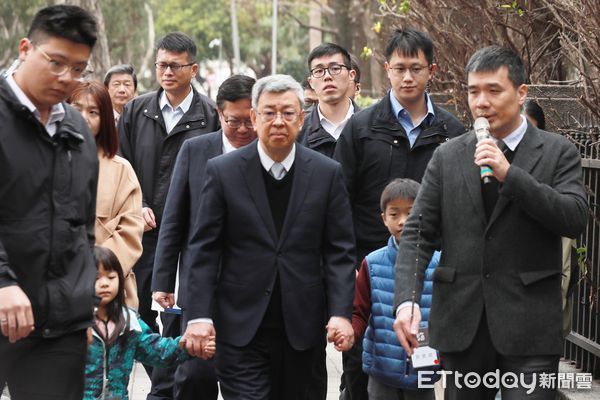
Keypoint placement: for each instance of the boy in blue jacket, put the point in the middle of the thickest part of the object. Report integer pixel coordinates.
(384, 360)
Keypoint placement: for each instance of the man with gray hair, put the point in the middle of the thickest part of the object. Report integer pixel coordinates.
(272, 255)
(121, 83)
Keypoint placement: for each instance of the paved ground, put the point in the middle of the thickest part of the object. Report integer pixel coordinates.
(140, 384)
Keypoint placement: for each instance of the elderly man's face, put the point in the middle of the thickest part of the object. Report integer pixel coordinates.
(278, 119)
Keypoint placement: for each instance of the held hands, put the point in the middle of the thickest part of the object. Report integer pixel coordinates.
(199, 340)
(149, 219)
(165, 300)
(16, 316)
(406, 328)
(340, 332)
(488, 153)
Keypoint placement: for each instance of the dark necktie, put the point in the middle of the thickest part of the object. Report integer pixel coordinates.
(489, 191)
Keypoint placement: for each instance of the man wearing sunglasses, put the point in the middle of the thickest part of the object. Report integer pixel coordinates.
(152, 129)
(48, 170)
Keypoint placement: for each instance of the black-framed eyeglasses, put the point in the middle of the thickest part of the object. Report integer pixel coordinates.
(161, 66)
(235, 124)
(334, 69)
(268, 116)
(414, 70)
(60, 68)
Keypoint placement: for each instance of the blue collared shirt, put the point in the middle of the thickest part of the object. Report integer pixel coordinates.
(403, 116)
(170, 115)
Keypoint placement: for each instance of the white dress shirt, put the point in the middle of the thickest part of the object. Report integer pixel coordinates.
(57, 112)
(173, 115)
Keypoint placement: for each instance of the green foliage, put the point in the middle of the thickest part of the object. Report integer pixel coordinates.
(205, 20)
(513, 7)
(364, 101)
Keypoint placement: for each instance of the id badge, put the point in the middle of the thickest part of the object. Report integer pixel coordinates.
(424, 355)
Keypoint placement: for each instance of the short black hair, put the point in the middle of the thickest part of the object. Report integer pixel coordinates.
(329, 49)
(118, 70)
(408, 42)
(178, 42)
(492, 58)
(63, 21)
(399, 188)
(355, 66)
(534, 111)
(234, 88)
(305, 84)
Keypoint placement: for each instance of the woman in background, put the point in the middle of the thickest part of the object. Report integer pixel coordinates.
(119, 224)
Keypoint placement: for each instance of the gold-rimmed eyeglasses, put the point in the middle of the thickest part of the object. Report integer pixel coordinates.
(236, 124)
(60, 68)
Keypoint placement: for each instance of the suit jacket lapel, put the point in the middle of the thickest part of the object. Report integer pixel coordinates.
(215, 145)
(529, 152)
(300, 185)
(470, 172)
(251, 170)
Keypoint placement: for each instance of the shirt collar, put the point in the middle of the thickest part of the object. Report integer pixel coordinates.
(513, 140)
(227, 146)
(398, 108)
(267, 162)
(57, 112)
(184, 106)
(323, 118)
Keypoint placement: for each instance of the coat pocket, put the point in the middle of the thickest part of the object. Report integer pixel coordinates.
(444, 274)
(528, 278)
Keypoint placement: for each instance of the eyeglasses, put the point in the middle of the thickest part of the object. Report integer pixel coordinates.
(60, 68)
(334, 69)
(235, 124)
(414, 70)
(161, 66)
(268, 116)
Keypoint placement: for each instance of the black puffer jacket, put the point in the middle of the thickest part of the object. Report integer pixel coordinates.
(373, 150)
(151, 152)
(315, 137)
(47, 215)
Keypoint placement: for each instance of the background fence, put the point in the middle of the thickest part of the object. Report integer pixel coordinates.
(565, 115)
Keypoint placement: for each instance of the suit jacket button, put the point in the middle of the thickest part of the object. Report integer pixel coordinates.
(279, 254)
(267, 292)
(487, 275)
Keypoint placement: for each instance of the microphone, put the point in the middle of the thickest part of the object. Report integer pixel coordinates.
(482, 131)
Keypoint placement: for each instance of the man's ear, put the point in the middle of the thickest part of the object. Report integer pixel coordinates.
(24, 47)
(522, 93)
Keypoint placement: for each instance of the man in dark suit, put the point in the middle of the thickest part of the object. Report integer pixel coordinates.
(497, 290)
(152, 129)
(195, 379)
(272, 255)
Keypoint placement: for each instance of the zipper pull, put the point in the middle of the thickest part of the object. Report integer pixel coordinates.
(69, 155)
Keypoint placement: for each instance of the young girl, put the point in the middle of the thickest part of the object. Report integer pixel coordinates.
(119, 337)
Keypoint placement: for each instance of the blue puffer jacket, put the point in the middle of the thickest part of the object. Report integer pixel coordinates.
(383, 356)
(107, 369)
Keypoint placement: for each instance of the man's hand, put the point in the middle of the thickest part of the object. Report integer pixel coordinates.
(199, 339)
(16, 316)
(488, 153)
(149, 219)
(340, 332)
(406, 328)
(164, 299)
